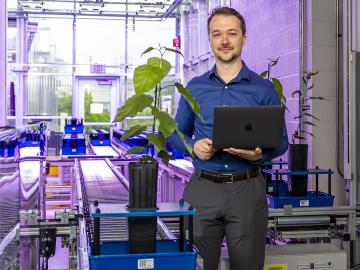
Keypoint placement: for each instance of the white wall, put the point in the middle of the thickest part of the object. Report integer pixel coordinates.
(321, 52)
(3, 61)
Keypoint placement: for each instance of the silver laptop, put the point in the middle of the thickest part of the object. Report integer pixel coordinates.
(248, 126)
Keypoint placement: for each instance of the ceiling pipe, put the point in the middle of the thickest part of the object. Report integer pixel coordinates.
(20, 13)
(170, 10)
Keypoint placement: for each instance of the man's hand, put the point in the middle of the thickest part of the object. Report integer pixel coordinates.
(203, 149)
(251, 155)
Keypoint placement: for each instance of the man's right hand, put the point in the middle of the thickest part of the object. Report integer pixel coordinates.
(203, 149)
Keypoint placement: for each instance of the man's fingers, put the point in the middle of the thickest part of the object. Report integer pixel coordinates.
(208, 141)
(245, 153)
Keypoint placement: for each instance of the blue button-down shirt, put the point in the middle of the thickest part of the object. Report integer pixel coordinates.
(247, 88)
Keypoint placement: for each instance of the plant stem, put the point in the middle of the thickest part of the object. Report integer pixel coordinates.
(154, 122)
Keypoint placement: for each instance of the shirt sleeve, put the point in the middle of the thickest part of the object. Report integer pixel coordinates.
(184, 118)
(270, 153)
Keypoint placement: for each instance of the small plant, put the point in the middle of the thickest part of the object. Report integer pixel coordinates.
(276, 82)
(147, 77)
(304, 116)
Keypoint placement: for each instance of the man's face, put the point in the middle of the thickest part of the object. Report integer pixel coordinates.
(226, 38)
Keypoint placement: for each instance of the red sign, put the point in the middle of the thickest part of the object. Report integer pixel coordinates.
(177, 42)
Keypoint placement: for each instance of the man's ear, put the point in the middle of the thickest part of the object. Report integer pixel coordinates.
(244, 40)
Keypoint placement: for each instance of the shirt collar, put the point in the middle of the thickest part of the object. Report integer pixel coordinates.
(243, 74)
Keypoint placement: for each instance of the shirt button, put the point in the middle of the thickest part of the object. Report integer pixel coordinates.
(225, 87)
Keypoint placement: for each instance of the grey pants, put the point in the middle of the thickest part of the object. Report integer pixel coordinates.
(237, 211)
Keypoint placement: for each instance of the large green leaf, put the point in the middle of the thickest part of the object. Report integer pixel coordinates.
(135, 149)
(146, 77)
(132, 106)
(278, 87)
(193, 103)
(181, 136)
(158, 140)
(134, 131)
(165, 157)
(164, 65)
(167, 123)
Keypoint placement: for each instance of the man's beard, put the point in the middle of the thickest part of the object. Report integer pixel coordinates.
(233, 57)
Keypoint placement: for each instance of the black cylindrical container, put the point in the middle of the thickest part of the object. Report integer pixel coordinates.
(142, 195)
(142, 234)
(143, 184)
(297, 158)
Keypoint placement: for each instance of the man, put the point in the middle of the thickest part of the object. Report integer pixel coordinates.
(227, 188)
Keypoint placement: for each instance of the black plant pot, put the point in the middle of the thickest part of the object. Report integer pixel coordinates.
(297, 158)
(142, 195)
(143, 184)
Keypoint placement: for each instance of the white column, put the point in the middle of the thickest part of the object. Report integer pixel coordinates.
(21, 70)
(75, 88)
(3, 61)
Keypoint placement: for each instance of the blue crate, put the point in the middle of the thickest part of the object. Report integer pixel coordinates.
(117, 134)
(140, 140)
(74, 129)
(8, 147)
(73, 140)
(100, 137)
(30, 143)
(67, 151)
(311, 200)
(73, 121)
(74, 125)
(8, 151)
(114, 255)
(74, 144)
(282, 187)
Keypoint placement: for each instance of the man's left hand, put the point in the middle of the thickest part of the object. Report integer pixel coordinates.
(248, 154)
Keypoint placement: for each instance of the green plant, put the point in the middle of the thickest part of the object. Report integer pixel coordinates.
(304, 116)
(276, 82)
(147, 77)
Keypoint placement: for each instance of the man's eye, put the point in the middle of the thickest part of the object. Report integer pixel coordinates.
(216, 35)
(232, 34)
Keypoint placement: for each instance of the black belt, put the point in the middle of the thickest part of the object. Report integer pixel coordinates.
(229, 177)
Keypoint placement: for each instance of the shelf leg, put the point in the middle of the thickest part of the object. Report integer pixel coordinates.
(97, 234)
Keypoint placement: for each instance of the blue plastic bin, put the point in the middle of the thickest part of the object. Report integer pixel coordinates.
(74, 144)
(311, 200)
(74, 125)
(282, 187)
(100, 137)
(114, 255)
(117, 134)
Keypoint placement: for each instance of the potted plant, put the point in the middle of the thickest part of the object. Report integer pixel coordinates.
(297, 152)
(298, 149)
(143, 174)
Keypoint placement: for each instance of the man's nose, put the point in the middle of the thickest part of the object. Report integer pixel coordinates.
(224, 39)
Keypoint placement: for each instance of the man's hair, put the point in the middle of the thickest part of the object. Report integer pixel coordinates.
(227, 11)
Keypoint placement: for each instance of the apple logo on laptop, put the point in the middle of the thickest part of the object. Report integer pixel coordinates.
(248, 127)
